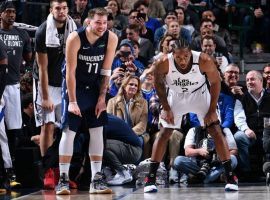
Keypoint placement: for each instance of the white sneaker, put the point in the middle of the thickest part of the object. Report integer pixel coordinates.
(173, 176)
(121, 178)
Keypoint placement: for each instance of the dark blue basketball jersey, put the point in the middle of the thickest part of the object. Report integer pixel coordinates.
(88, 79)
(90, 60)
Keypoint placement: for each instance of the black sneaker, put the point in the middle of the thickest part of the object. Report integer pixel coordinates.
(14, 184)
(232, 183)
(202, 173)
(150, 185)
(63, 186)
(98, 185)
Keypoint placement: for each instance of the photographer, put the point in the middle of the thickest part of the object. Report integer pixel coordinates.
(199, 161)
(125, 59)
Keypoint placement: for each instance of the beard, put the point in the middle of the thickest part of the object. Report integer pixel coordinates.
(59, 21)
(95, 32)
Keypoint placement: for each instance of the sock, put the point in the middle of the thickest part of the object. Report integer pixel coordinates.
(64, 168)
(227, 167)
(153, 170)
(95, 167)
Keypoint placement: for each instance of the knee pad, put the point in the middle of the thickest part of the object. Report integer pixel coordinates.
(96, 145)
(67, 142)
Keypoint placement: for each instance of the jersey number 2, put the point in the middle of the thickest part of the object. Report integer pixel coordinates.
(92, 65)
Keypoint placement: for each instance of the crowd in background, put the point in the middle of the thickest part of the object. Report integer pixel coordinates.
(147, 29)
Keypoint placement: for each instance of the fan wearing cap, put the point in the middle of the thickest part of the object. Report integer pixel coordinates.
(18, 46)
(125, 59)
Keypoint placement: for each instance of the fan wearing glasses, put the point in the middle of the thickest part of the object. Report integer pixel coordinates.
(231, 79)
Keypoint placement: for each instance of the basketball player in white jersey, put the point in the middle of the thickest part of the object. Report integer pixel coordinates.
(184, 73)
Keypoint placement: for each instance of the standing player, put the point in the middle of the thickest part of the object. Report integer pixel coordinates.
(50, 48)
(4, 181)
(18, 45)
(89, 56)
(185, 73)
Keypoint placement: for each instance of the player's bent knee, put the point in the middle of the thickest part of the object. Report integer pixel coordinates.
(165, 134)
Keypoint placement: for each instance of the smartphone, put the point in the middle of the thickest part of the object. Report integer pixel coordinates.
(123, 66)
(141, 15)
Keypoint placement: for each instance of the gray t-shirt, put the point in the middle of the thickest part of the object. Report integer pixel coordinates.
(17, 42)
(190, 138)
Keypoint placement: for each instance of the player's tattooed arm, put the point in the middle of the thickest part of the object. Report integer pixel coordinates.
(104, 86)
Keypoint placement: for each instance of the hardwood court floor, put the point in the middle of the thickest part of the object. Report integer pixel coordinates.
(175, 192)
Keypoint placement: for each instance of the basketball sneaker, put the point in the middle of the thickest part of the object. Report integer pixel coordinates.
(63, 186)
(98, 185)
(48, 181)
(150, 185)
(232, 183)
(14, 184)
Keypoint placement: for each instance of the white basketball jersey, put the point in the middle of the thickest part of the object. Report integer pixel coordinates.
(185, 83)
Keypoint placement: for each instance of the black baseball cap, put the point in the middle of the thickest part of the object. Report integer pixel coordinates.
(5, 5)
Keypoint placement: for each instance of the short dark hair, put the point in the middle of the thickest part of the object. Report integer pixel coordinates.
(58, 1)
(132, 11)
(170, 12)
(97, 11)
(208, 37)
(206, 20)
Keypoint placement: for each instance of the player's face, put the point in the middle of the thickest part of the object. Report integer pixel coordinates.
(254, 84)
(8, 16)
(182, 57)
(59, 11)
(98, 24)
(231, 75)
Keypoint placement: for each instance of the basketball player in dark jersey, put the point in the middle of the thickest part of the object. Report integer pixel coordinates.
(184, 72)
(89, 56)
